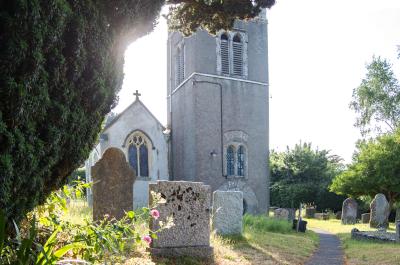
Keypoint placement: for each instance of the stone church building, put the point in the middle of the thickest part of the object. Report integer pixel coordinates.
(217, 128)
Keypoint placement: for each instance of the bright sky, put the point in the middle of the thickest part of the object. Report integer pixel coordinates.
(317, 55)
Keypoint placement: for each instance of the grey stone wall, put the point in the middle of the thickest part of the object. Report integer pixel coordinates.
(198, 124)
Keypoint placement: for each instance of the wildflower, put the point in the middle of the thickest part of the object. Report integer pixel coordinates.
(147, 239)
(155, 214)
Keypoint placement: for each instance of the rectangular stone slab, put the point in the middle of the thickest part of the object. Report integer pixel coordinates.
(189, 205)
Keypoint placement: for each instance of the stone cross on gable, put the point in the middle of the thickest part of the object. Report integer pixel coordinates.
(137, 94)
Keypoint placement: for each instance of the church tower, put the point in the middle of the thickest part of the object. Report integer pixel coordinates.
(218, 110)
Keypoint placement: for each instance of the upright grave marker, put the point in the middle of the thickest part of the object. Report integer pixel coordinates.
(113, 180)
(349, 211)
(379, 212)
(227, 212)
(189, 205)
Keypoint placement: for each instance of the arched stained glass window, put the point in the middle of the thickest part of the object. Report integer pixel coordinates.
(133, 161)
(240, 160)
(138, 154)
(225, 53)
(230, 161)
(144, 161)
(237, 60)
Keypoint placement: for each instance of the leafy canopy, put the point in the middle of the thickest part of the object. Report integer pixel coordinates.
(61, 65)
(302, 175)
(377, 99)
(375, 169)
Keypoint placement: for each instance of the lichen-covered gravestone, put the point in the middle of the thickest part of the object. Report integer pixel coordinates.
(365, 218)
(379, 212)
(189, 205)
(281, 213)
(227, 212)
(113, 180)
(349, 211)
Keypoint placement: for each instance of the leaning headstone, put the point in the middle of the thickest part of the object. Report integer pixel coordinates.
(398, 231)
(113, 180)
(365, 218)
(349, 211)
(189, 205)
(310, 212)
(227, 212)
(379, 212)
(338, 215)
(281, 213)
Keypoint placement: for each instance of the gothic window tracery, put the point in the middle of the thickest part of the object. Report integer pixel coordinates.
(235, 160)
(138, 154)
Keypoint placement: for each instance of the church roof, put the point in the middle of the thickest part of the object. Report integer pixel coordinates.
(137, 101)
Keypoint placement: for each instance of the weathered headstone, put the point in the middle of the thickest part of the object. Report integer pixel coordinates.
(365, 218)
(338, 215)
(189, 205)
(113, 180)
(349, 211)
(292, 214)
(379, 212)
(321, 216)
(398, 231)
(227, 212)
(310, 212)
(281, 213)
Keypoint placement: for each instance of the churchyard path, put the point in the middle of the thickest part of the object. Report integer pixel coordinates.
(329, 251)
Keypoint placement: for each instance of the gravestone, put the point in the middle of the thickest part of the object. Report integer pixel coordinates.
(365, 218)
(397, 215)
(398, 231)
(113, 180)
(321, 216)
(379, 212)
(189, 205)
(338, 215)
(292, 214)
(227, 212)
(349, 211)
(310, 212)
(281, 213)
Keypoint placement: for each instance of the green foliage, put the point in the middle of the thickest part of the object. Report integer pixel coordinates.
(303, 175)
(48, 238)
(375, 169)
(264, 224)
(212, 15)
(61, 65)
(377, 99)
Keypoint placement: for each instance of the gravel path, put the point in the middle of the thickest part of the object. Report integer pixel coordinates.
(329, 252)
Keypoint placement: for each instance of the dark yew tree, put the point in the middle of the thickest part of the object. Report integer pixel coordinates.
(61, 65)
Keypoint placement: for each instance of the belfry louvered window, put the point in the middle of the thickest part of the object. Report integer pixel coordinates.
(225, 54)
(237, 55)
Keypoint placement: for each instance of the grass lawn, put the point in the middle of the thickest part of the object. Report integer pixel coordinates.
(264, 241)
(257, 245)
(360, 252)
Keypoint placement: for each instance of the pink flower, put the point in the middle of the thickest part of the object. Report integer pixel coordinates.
(147, 239)
(155, 214)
